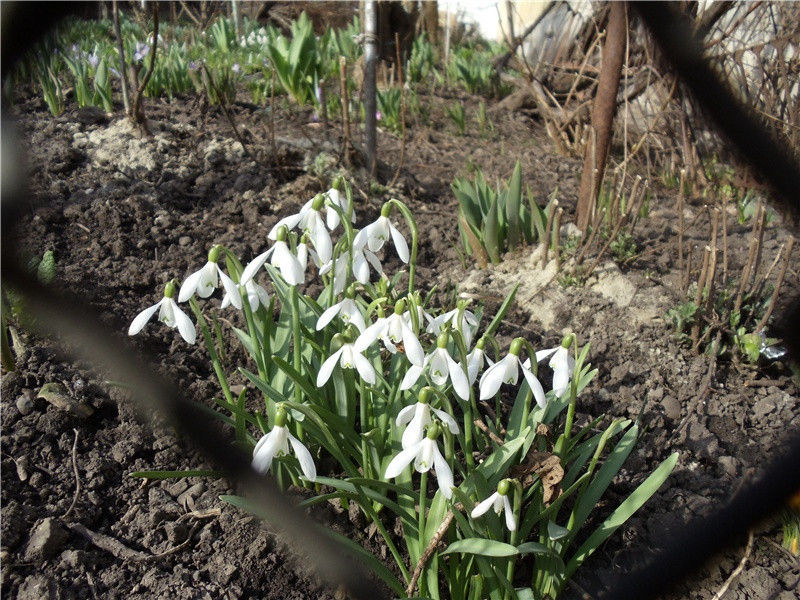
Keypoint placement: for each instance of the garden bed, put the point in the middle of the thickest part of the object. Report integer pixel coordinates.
(123, 215)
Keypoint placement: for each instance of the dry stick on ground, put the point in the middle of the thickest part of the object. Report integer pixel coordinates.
(223, 105)
(724, 239)
(548, 231)
(323, 101)
(77, 476)
(423, 560)
(755, 240)
(345, 110)
(761, 224)
(590, 241)
(402, 109)
(492, 436)
(680, 221)
(758, 287)
(687, 274)
(739, 568)
(557, 244)
(778, 283)
(111, 545)
(698, 295)
(632, 209)
(273, 147)
(137, 112)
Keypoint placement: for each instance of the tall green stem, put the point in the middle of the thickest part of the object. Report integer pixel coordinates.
(512, 563)
(209, 342)
(412, 225)
(297, 347)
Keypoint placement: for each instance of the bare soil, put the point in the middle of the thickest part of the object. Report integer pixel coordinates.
(123, 215)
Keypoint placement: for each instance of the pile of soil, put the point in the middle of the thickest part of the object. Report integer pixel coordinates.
(123, 215)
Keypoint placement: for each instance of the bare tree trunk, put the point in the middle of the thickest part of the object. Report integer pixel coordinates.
(137, 111)
(370, 60)
(236, 20)
(123, 71)
(431, 17)
(605, 101)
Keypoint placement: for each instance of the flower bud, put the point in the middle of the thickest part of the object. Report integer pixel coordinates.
(441, 341)
(567, 341)
(503, 487)
(280, 416)
(280, 235)
(169, 289)
(424, 395)
(434, 430)
(400, 307)
(386, 209)
(516, 346)
(338, 183)
(318, 202)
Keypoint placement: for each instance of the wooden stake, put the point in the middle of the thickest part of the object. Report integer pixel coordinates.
(345, 110)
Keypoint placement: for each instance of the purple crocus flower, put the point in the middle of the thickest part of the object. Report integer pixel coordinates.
(94, 60)
(142, 50)
(236, 68)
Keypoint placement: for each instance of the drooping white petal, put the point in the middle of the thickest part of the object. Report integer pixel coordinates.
(331, 216)
(327, 316)
(140, 320)
(208, 281)
(399, 243)
(304, 458)
(424, 459)
(327, 368)
(364, 368)
(360, 267)
(369, 335)
(185, 326)
(291, 269)
(443, 473)
(189, 286)
(291, 222)
(320, 236)
(256, 295)
(405, 414)
(267, 447)
(415, 431)
(401, 461)
(536, 387)
(493, 378)
(542, 354)
(448, 420)
(459, 379)
(511, 520)
(254, 265)
(438, 368)
(411, 377)
(373, 260)
(230, 289)
(561, 379)
(483, 507)
(377, 234)
(414, 351)
(351, 314)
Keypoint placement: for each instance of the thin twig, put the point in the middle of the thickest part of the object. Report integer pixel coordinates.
(423, 560)
(739, 568)
(778, 283)
(137, 112)
(345, 110)
(680, 221)
(698, 295)
(77, 476)
(492, 436)
(557, 244)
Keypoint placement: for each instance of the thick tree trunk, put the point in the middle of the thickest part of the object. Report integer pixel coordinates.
(431, 17)
(605, 101)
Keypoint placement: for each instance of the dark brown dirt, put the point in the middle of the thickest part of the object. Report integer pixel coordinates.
(123, 217)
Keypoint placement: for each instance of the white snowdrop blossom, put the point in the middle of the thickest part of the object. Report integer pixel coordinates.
(475, 360)
(339, 273)
(506, 370)
(363, 259)
(500, 503)
(169, 313)
(310, 220)
(424, 454)
(417, 417)
(349, 356)
(336, 198)
(276, 443)
(441, 367)
(393, 330)
(467, 324)
(562, 364)
(347, 310)
(377, 233)
(256, 296)
(282, 259)
(205, 280)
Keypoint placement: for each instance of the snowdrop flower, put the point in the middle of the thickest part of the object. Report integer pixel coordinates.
(441, 367)
(349, 355)
(349, 312)
(142, 50)
(499, 501)
(418, 416)
(276, 443)
(94, 60)
(466, 318)
(168, 313)
(256, 296)
(204, 281)
(363, 258)
(309, 219)
(507, 371)
(236, 68)
(394, 330)
(374, 235)
(290, 267)
(561, 362)
(339, 273)
(336, 197)
(425, 454)
(475, 360)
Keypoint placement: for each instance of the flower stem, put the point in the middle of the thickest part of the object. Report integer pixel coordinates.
(412, 225)
(512, 562)
(209, 342)
(297, 362)
(423, 501)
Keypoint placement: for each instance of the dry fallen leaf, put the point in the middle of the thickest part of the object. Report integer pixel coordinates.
(544, 465)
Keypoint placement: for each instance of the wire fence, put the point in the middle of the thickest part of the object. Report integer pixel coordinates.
(66, 317)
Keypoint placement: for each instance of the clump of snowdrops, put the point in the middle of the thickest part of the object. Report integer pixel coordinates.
(430, 421)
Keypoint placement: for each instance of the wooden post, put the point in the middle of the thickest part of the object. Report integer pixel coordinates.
(603, 113)
(370, 62)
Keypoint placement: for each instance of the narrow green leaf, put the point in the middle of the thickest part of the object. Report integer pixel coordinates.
(482, 547)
